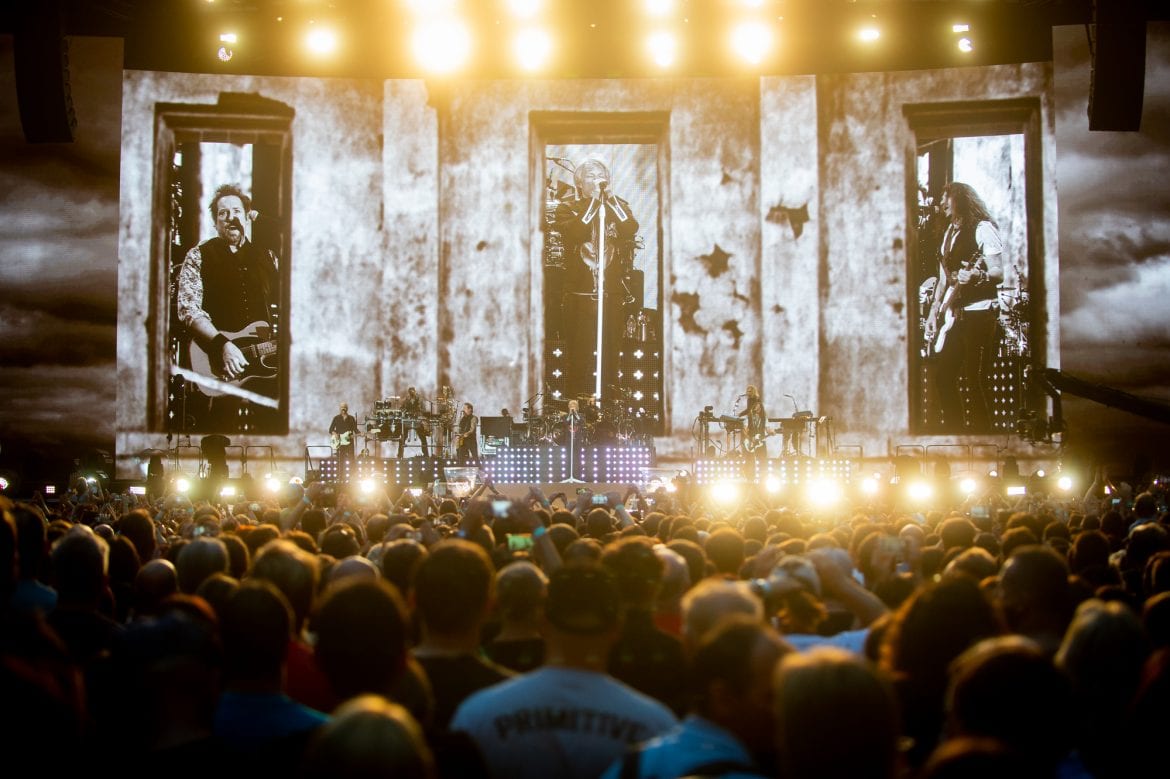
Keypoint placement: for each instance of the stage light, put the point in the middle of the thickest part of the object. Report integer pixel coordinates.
(226, 50)
(960, 27)
(993, 473)
(751, 41)
(137, 489)
(1064, 483)
(366, 486)
(321, 41)
(532, 47)
(228, 491)
(725, 492)
(869, 33)
(823, 492)
(4, 483)
(441, 45)
(50, 489)
(919, 490)
(968, 485)
(870, 485)
(965, 45)
(297, 480)
(773, 484)
(1015, 490)
(1040, 473)
(182, 485)
(524, 9)
(271, 483)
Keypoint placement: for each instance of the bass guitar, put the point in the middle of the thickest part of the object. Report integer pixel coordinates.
(260, 349)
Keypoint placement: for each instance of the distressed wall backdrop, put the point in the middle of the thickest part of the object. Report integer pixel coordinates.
(416, 219)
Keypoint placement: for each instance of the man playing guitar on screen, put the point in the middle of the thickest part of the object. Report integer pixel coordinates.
(343, 430)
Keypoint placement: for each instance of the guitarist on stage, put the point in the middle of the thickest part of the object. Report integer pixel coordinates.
(226, 286)
(755, 439)
(962, 329)
(467, 447)
(343, 430)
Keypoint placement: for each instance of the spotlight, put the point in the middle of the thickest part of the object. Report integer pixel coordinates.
(968, 485)
(823, 492)
(366, 486)
(869, 33)
(524, 9)
(965, 45)
(751, 41)
(1065, 483)
(920, 490)
(228, 491)
(960, 27)
(725, 491)
(182, 485)
(659, 8)
(1015, 490)
(869, 485)
(4, 483)
(441, 45)
(773, 484)
(272, 484)
(663, 48)
(532, 47)
(226, 50)
(321, 41)
(1040, 473)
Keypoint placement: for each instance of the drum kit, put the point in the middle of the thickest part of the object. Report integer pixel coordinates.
(614, 423)
(391, 420)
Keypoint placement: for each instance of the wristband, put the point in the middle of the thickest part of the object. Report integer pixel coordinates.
(219, 341)
(539, 531)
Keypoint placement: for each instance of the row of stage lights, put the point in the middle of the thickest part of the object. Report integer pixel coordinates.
(823, 485)
(442, 41)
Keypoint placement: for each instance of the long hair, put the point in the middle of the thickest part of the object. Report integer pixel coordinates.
(968, 205)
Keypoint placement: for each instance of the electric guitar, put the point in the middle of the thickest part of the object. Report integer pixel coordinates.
(342, 439)
(752, 443)
(259, 347)
(461, 438)
(933, 347)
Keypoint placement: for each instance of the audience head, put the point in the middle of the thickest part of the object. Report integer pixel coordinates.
(836, 716)
(453, 587)
(369, 738)
(361, 628)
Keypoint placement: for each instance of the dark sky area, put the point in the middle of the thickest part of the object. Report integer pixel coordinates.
(59, 232)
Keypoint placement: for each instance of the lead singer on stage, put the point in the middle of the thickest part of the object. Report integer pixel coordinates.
(578, 220)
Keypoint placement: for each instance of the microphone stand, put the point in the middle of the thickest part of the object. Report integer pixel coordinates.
(573, 420)
(600, 287)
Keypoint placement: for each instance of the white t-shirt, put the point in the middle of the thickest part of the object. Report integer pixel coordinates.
(558, 722)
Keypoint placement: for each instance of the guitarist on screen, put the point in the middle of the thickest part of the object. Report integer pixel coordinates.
(342, 431)
(226, 291)
(961, 330)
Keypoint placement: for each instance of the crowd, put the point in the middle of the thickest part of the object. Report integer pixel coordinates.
(324, 634)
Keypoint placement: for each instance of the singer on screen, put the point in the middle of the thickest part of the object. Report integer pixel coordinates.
(595, 222)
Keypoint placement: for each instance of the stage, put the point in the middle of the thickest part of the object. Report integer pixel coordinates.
(511, 465)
